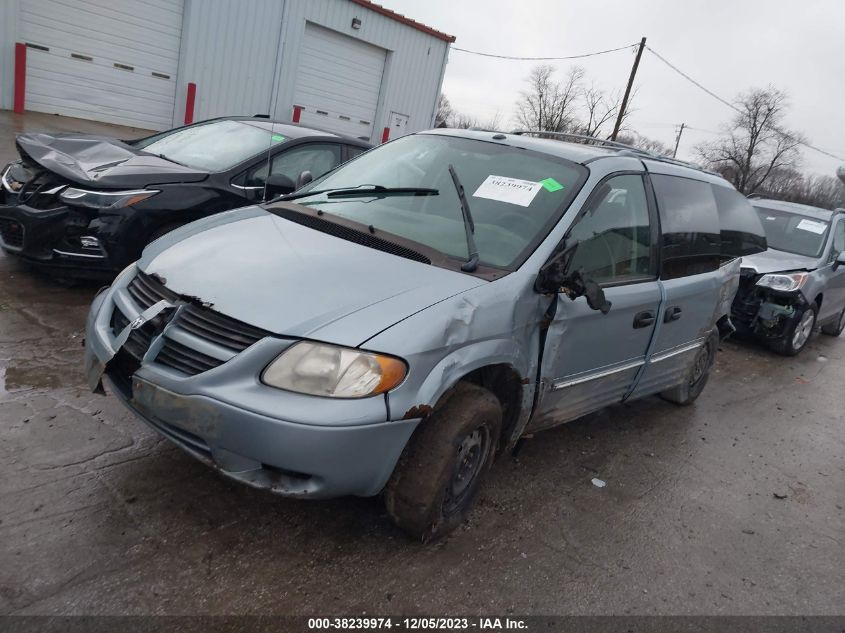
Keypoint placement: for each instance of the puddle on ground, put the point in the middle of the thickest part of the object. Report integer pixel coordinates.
(18, 378)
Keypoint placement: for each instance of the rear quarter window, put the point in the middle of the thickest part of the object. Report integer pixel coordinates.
(689, 222)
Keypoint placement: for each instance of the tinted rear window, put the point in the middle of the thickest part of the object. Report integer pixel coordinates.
(742, 233)
(689, 221)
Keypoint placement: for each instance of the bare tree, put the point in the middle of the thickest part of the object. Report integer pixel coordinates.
(643, 142)
(464, 121)
(600, 109)
(548, 105)
(467, 121)
(755, 144)
(816, 190)
(444, 112)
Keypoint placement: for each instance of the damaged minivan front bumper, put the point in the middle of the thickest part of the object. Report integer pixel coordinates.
(222, 414)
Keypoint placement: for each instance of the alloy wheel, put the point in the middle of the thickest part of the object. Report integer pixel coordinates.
(803, 330)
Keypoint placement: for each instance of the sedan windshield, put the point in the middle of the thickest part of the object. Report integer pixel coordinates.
(793, 233)
(515, 195)
(214, 146)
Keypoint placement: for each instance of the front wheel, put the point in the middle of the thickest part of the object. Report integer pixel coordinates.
(798, 334)
(437, 479)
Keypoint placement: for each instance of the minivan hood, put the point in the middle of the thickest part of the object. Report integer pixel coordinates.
(773, 261)
(296, 281)
(102, 161)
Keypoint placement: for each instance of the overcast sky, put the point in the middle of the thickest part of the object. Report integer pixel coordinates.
(726, 45)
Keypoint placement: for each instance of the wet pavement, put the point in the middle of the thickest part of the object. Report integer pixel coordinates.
(735, 505)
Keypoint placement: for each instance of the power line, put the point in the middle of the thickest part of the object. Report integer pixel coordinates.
(544, 59)
(736, 109)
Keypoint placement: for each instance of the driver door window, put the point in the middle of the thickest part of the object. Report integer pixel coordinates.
(614, 234)
(318, 158)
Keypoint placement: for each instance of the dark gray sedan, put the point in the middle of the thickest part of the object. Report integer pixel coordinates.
(799, 282)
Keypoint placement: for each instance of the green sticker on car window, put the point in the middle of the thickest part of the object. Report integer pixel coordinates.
(550, 184)
(277, 138)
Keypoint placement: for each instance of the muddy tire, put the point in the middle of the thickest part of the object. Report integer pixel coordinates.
(688, 392)
(797, 334)
(834, 328)
(437, 479)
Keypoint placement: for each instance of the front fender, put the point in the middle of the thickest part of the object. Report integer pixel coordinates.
(421, 392)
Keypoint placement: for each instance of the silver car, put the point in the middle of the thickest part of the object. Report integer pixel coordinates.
(799, 282)
(396, 324)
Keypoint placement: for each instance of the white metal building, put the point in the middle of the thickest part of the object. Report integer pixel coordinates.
(349, 66)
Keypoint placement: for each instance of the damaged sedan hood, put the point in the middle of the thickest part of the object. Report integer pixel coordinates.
(102, 161)
(774, 261)
(296, 281)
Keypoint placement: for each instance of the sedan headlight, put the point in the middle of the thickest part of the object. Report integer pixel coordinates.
(783, 282)
(105, 199)
(319, 369)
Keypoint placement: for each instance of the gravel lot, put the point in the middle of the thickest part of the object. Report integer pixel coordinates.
(100, 516)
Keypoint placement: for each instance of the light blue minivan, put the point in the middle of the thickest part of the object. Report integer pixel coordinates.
(398, 323)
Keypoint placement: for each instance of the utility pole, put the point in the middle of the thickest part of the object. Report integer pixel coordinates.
(678, 140)
(628, 91)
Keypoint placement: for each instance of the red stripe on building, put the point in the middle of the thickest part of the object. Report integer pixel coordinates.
(20, 77)
(190, 99)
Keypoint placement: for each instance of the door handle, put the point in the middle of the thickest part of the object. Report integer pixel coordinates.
(643, 319)
(673, 313)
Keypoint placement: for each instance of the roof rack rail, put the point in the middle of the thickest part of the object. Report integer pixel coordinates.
(593, 140)
(583, 138)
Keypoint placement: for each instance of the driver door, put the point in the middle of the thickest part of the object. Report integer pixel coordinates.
(591, 360)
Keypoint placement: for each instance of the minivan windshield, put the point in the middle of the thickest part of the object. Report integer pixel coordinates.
(214, 146)
(515, 195)
(793, 232)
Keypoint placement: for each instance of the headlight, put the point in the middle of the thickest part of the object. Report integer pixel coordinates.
(319, 369)
(105, 199)
(783, 282)
(11, 183)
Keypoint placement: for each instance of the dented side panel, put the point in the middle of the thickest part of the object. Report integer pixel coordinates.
(494, 324)
(592, 359)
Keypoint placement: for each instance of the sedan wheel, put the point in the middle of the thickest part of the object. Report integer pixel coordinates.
(796, 338)
(803, 330)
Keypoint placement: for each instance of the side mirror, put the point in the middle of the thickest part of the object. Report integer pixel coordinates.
(554, 277)
(303, 179)
(840, 260)
(279, 185)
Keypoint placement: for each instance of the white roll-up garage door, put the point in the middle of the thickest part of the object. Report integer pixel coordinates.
(112, 61)
(338, 82)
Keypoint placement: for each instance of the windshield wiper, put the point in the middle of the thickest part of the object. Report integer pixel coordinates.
(364, 192)
(469, 226)
(167, 158)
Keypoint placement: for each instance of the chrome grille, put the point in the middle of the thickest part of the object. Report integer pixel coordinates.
(203, 323)
(139, 340)
(217, 328)
(183, 358)
(147, 291)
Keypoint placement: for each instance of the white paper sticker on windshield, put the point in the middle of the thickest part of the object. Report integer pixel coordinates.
(812, 226)
(511, 190)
